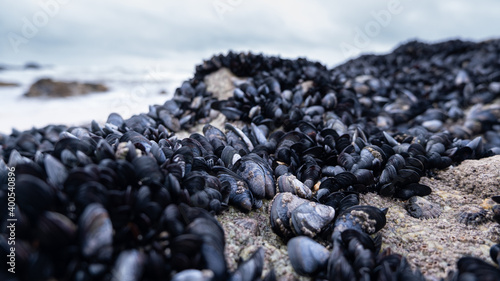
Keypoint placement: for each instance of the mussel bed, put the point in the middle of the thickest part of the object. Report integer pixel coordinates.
(131, 199)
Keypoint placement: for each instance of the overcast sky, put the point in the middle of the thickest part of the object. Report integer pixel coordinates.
(125, 32)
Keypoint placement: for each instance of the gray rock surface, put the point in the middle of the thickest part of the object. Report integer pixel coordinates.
(433, 245)
(49, 88)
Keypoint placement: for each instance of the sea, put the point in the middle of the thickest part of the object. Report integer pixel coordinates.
(132, 89)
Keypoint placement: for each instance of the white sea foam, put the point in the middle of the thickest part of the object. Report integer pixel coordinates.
(132, 90)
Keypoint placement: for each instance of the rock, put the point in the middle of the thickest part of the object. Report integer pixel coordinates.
(46, 87)
(245, 233)
(32, 65)
(435, 244)
(221, 83)
(8, 84)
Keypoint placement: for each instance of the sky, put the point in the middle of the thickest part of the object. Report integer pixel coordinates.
(147, 32)
(132, 45)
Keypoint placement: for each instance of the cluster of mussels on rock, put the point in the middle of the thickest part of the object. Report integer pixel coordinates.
(130, 200)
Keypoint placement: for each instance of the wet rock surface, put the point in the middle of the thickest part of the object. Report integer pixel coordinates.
(49, 88)
(8, 84)
(245, 233)
(433, 245)
(350, 148)
(481, 179)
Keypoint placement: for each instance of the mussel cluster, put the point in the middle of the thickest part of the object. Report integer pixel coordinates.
(130, 200)
(114, 203)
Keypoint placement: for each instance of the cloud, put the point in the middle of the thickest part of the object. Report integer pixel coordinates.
(107, 31)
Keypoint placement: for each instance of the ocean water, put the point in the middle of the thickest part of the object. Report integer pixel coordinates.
(131, 90)
(135, 82)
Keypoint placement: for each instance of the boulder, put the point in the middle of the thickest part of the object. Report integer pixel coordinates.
(48, 88)
(8, 84)
(32, 65)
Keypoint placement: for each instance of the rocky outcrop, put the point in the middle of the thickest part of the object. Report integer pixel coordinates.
(8, 84)
(32, 65)
(48, 88)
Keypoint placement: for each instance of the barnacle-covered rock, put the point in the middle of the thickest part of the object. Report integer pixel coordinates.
(472, 215)
(419, 207)
(374, 124)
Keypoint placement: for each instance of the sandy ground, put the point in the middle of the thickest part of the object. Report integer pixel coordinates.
(433, 245)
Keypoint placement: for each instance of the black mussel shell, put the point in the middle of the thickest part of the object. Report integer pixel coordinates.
(251, 269)
(412, 189)
(96, 233)
(289, 183)
(361, 217)
(307, 256)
